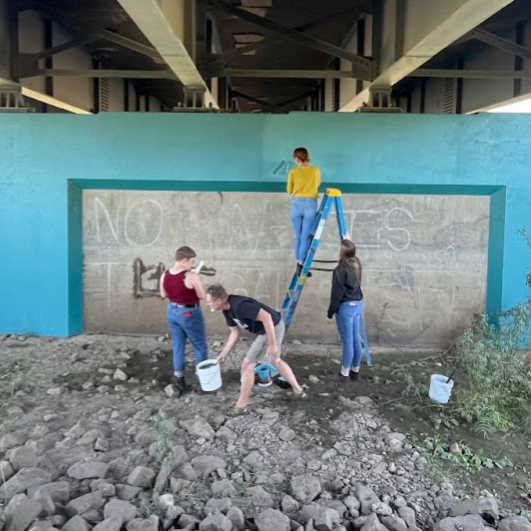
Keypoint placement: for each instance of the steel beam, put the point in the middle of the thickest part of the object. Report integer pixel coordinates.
(301, 29)
(53, 102)
(364, 68)
(130, 44)
(501, 44)
(446, 28)
(471, 74)
(263, 104)
(156, 24)
(128, 74)
(288, 74)
(76, 42)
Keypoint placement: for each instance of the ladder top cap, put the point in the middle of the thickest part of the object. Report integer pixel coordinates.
(333, 192)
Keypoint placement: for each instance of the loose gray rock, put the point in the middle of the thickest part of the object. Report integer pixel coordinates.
(22, 457)
(180, 456)
(487, 508)
(373, 524)
(22, 481)
(111, 524)
(253, 458)
(58, 491)
(409, 516)
(127, 492)
(222, 488)
(10, 440)
(6, 470)
(514, 523)
(381, 509)
(270, 417)
(178, 484)
(198, 427)
(87, 470)
(323, 519)
(216, 522)
(469, 522)
(46, 503)
(343, 448)
(144, 524)
(82, 504)
(20, 512)
(367, 498)
(289, 504)
(286, 434)
(76, 523)
(121, 509)
(120, 375)
(186, 472)
(141, 476)
(338, 506)
(170, 391)
(305, 488)
(92, 516)
(206, 464)
(147, 437)
(393, 523)
(214, 505)
(272, 520)
(235, 515)
(353, 504)
(226, 434)
(260, 497)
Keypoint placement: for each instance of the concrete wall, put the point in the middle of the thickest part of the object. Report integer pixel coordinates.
(424, 257)
(47, 161)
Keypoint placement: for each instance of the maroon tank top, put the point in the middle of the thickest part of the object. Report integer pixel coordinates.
(176, 289)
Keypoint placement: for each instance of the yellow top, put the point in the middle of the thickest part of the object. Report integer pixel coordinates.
(304, 181)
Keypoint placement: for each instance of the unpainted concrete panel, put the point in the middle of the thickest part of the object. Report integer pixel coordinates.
(424, 259)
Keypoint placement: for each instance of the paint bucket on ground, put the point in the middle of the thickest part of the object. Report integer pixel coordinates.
(209, 375)
(440, 388)
(263, 375)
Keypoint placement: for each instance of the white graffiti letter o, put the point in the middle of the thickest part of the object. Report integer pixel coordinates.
(155, 220)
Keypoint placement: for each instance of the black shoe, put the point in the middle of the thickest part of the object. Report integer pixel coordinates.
(339, 378)
(355, 376)
(180, 383)
(298, 271)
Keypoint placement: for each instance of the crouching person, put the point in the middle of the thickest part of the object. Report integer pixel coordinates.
(267, 324)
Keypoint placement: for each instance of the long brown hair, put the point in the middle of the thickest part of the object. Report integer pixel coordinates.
(347, 255)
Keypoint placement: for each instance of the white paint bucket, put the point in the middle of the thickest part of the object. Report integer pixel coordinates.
(209, 375)
(440, 388)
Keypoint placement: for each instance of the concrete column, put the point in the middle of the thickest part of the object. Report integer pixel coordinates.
(5, 44)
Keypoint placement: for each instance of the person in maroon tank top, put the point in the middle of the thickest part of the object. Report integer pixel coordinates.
(183, 288)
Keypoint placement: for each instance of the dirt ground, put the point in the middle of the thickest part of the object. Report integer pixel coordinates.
(30, 367)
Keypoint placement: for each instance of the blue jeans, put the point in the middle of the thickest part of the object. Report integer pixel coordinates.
(186, 323)
(348, 325)
(303, 213)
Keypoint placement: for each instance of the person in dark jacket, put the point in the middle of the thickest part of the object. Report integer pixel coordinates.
(346, 302)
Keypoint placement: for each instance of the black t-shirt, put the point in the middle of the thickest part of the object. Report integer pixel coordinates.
(244, 311)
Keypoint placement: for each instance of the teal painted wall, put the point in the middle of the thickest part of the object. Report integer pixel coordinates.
(46, 161)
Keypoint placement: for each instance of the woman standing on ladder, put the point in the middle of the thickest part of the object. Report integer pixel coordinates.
(346, 300)
(303, 185)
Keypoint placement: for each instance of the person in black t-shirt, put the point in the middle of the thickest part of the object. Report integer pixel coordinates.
(248, 314)
(346, 303)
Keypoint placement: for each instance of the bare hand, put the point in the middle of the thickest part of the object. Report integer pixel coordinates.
(271, 351)
(330, 320)
(221, 358)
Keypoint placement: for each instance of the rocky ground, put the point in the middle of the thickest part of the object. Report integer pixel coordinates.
(93, 437)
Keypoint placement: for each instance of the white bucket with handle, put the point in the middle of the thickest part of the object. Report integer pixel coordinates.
(209, 375)
(440, 388)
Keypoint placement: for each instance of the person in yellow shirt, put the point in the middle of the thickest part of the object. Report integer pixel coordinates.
(303, 185)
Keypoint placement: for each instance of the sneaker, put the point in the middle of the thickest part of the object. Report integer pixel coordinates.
(339, 378)
(180, 383)
(355, 376)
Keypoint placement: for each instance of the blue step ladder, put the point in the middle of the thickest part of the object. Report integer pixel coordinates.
(331, 198)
